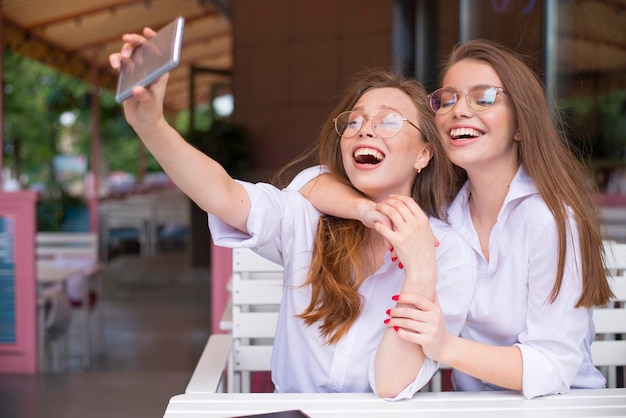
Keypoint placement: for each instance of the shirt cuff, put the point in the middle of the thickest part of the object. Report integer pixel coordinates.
(427, 371)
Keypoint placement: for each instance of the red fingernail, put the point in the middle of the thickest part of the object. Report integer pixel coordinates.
(391, 249)
(396, 328)
(395, 297)
(393, 259)
(400, 265)
(388, 312)
(386, 321)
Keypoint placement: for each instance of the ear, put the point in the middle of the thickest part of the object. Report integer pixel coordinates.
(517, 136)
(423, 158)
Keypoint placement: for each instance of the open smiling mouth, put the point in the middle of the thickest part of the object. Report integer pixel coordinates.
(368, 156)
(465, 133)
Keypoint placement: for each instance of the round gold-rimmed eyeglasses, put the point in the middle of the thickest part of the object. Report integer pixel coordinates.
(478, 98)
(386, 124)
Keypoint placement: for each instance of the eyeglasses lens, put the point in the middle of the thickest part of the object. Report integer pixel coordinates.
(480, 98)
(443, 100)
(348, 123)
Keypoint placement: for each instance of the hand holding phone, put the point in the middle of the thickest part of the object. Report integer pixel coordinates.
(151, 60)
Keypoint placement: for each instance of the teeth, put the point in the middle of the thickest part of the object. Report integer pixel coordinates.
(368, 155)
(465, 133)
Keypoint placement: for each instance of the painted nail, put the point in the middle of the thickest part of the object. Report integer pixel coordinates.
(391, 249)
(400, 266)
(386, 321)
(395, 297)
(396, 328)
(388, 311)
(394, 259)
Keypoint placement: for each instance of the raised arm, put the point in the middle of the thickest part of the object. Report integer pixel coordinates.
(200, 177)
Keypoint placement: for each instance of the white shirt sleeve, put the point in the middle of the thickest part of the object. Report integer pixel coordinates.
(553, 343)
(306, 175)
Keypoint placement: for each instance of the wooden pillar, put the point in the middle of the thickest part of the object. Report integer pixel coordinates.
(93, 196)
(1, 103)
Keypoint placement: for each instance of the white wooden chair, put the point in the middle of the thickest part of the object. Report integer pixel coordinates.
(256, 292)
(134, 215)
(609, 348)
(79, 251)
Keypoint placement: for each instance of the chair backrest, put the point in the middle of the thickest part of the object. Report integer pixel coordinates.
(256, 286)
(67, 247)
(135, 215)
(609, 349)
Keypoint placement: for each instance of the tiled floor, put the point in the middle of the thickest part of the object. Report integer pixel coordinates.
(157, 320)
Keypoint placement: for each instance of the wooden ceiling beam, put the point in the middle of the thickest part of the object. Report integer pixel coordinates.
(25, 43)
(82, 13)
(118, 39)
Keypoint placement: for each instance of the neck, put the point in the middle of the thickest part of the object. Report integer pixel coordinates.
(488, 191)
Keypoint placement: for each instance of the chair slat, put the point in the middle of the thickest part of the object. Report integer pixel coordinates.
(257, 292)
(254, 324)
(610, 321)
(245, 259)
(253, 358)
(609, 353)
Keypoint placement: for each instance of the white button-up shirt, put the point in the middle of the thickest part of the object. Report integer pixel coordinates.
(282, 226)
(511, 303)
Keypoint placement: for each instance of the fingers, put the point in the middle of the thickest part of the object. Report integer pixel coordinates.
(415, 318)
(130, 42)
(413, 301)
(148, 32)
(146, 94)
(375, 216)
(115, 60)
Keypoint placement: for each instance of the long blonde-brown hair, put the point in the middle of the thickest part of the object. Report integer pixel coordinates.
(544, 151)
(334, 274)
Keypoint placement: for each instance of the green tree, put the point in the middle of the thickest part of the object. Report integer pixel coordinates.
(35, 97)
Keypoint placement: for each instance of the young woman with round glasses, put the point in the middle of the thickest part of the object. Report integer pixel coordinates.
(528, 208)
(339, 278)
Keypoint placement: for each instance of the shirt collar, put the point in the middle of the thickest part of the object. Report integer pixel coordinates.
(521, 187)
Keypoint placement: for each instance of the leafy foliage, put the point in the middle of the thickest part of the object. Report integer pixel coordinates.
(35, 97)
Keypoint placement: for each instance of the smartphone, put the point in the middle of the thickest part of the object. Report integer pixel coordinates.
(151, 60)
(294, 413)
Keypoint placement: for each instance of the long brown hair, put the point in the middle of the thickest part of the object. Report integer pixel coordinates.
(561, 178)
(334, 274)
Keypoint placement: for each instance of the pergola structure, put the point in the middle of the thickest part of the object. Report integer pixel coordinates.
(77, 37)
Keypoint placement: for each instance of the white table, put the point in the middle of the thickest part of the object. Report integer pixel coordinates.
(578, 403)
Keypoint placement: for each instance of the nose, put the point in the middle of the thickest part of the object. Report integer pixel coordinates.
(367, 128)
(461, 107)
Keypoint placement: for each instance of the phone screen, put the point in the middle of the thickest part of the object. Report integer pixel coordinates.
(151, 60)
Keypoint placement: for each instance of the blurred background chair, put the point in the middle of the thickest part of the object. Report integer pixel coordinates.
(77, 252)
(55, 315)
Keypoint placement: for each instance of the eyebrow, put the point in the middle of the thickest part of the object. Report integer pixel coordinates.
(381, 108)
